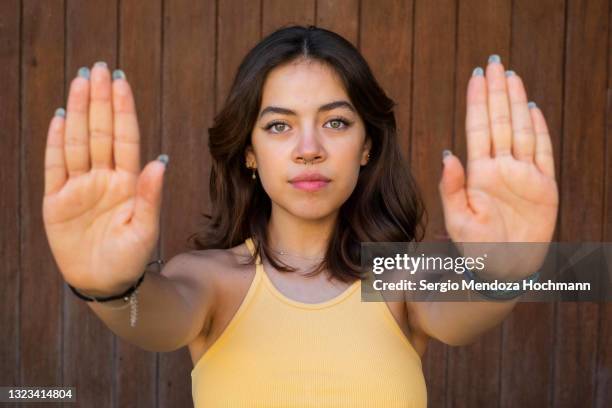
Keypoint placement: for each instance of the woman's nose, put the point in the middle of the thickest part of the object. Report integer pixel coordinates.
(309, 144)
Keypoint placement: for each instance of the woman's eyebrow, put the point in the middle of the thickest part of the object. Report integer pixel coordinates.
(322, 108)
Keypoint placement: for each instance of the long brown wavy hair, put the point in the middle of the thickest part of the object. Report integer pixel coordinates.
(385, 206)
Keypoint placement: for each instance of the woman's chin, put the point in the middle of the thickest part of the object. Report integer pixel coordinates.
(313, 212)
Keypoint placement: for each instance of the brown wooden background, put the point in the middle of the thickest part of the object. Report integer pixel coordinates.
(180, 56)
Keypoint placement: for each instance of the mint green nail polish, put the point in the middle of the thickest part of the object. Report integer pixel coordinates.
(510, 73)
(100, 64)
(164, 159)
(478, 72)
(531, 105)
(60, 112)
(83, 72)
(494, 58)
(445, 153)
(118, 74)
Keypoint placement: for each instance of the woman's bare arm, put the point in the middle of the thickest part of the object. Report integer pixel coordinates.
(172, 307)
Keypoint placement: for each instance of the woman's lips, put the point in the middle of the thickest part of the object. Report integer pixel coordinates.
(313, 185)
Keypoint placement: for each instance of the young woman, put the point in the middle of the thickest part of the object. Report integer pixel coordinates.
(306, 165)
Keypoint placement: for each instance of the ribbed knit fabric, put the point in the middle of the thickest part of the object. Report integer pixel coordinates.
(278, 352)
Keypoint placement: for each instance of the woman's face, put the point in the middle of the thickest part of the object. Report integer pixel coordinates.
(307, 117)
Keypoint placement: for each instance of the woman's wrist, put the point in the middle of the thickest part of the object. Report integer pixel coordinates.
(120, 293)
(510, 289)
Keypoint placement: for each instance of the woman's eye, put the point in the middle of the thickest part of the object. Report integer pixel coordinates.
(338, 123)
(280, 127)
(275, 126)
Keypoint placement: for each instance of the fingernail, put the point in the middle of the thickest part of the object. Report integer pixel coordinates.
(510, 73)
(60, 112)
(83, 72)
(531, 105)
(478, 72)
(118, 74)
(164, 159)
(100, 64)
(494, 58)
(445, 153)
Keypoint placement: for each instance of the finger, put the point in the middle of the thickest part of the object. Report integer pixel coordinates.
(147, 206)
(55, 165)
(499, 109)
(523, 142)
(127, 135)
(76, 143)
(101, 118)
(477, 118)
(544, 157)
(453, 193)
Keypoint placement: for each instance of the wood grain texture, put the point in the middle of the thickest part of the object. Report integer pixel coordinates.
(10, 222)
(483, 28)
(433, 79)
(390, 22)
(340, 16)
(188, 80)
(581, 196)
(603, 380)
(473, 372)
(239, 29)
(280, 13)
(536, 55)
(139, 56)
(40, 294)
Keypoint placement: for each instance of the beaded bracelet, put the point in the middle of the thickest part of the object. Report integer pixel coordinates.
(499, 294)
(129, 296)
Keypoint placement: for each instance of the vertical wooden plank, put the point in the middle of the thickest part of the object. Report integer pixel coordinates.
(434, 369)
(581, 191)
(537, 57)
(187, 111)
(10, 160)
(339, 16)
(390, 22)
(434, 89)
(603, 393)
(473, 373)
(280, 13)
(139, 34)
(42, 87)
(91, 31)
(239, 29)
(483, 29)
(432, 131)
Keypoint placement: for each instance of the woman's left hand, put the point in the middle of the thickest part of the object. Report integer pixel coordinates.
(510, 193)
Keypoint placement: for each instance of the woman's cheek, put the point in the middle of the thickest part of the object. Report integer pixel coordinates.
(269, 182)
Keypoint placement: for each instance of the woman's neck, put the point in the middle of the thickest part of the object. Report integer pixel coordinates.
(297, 239)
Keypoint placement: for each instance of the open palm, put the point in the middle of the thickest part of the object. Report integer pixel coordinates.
(100, 211)
(510, 193)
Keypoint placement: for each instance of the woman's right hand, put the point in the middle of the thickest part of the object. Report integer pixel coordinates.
(101, 213)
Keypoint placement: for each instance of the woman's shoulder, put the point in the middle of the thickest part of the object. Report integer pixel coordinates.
(220, 265)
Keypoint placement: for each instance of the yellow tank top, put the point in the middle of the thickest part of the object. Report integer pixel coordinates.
(278, 352)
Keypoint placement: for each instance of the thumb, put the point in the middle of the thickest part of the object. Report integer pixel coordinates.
(147, 205)
(452, 188)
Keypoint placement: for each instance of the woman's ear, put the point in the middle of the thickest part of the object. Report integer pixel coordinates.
(249, 157)
(367, 147)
